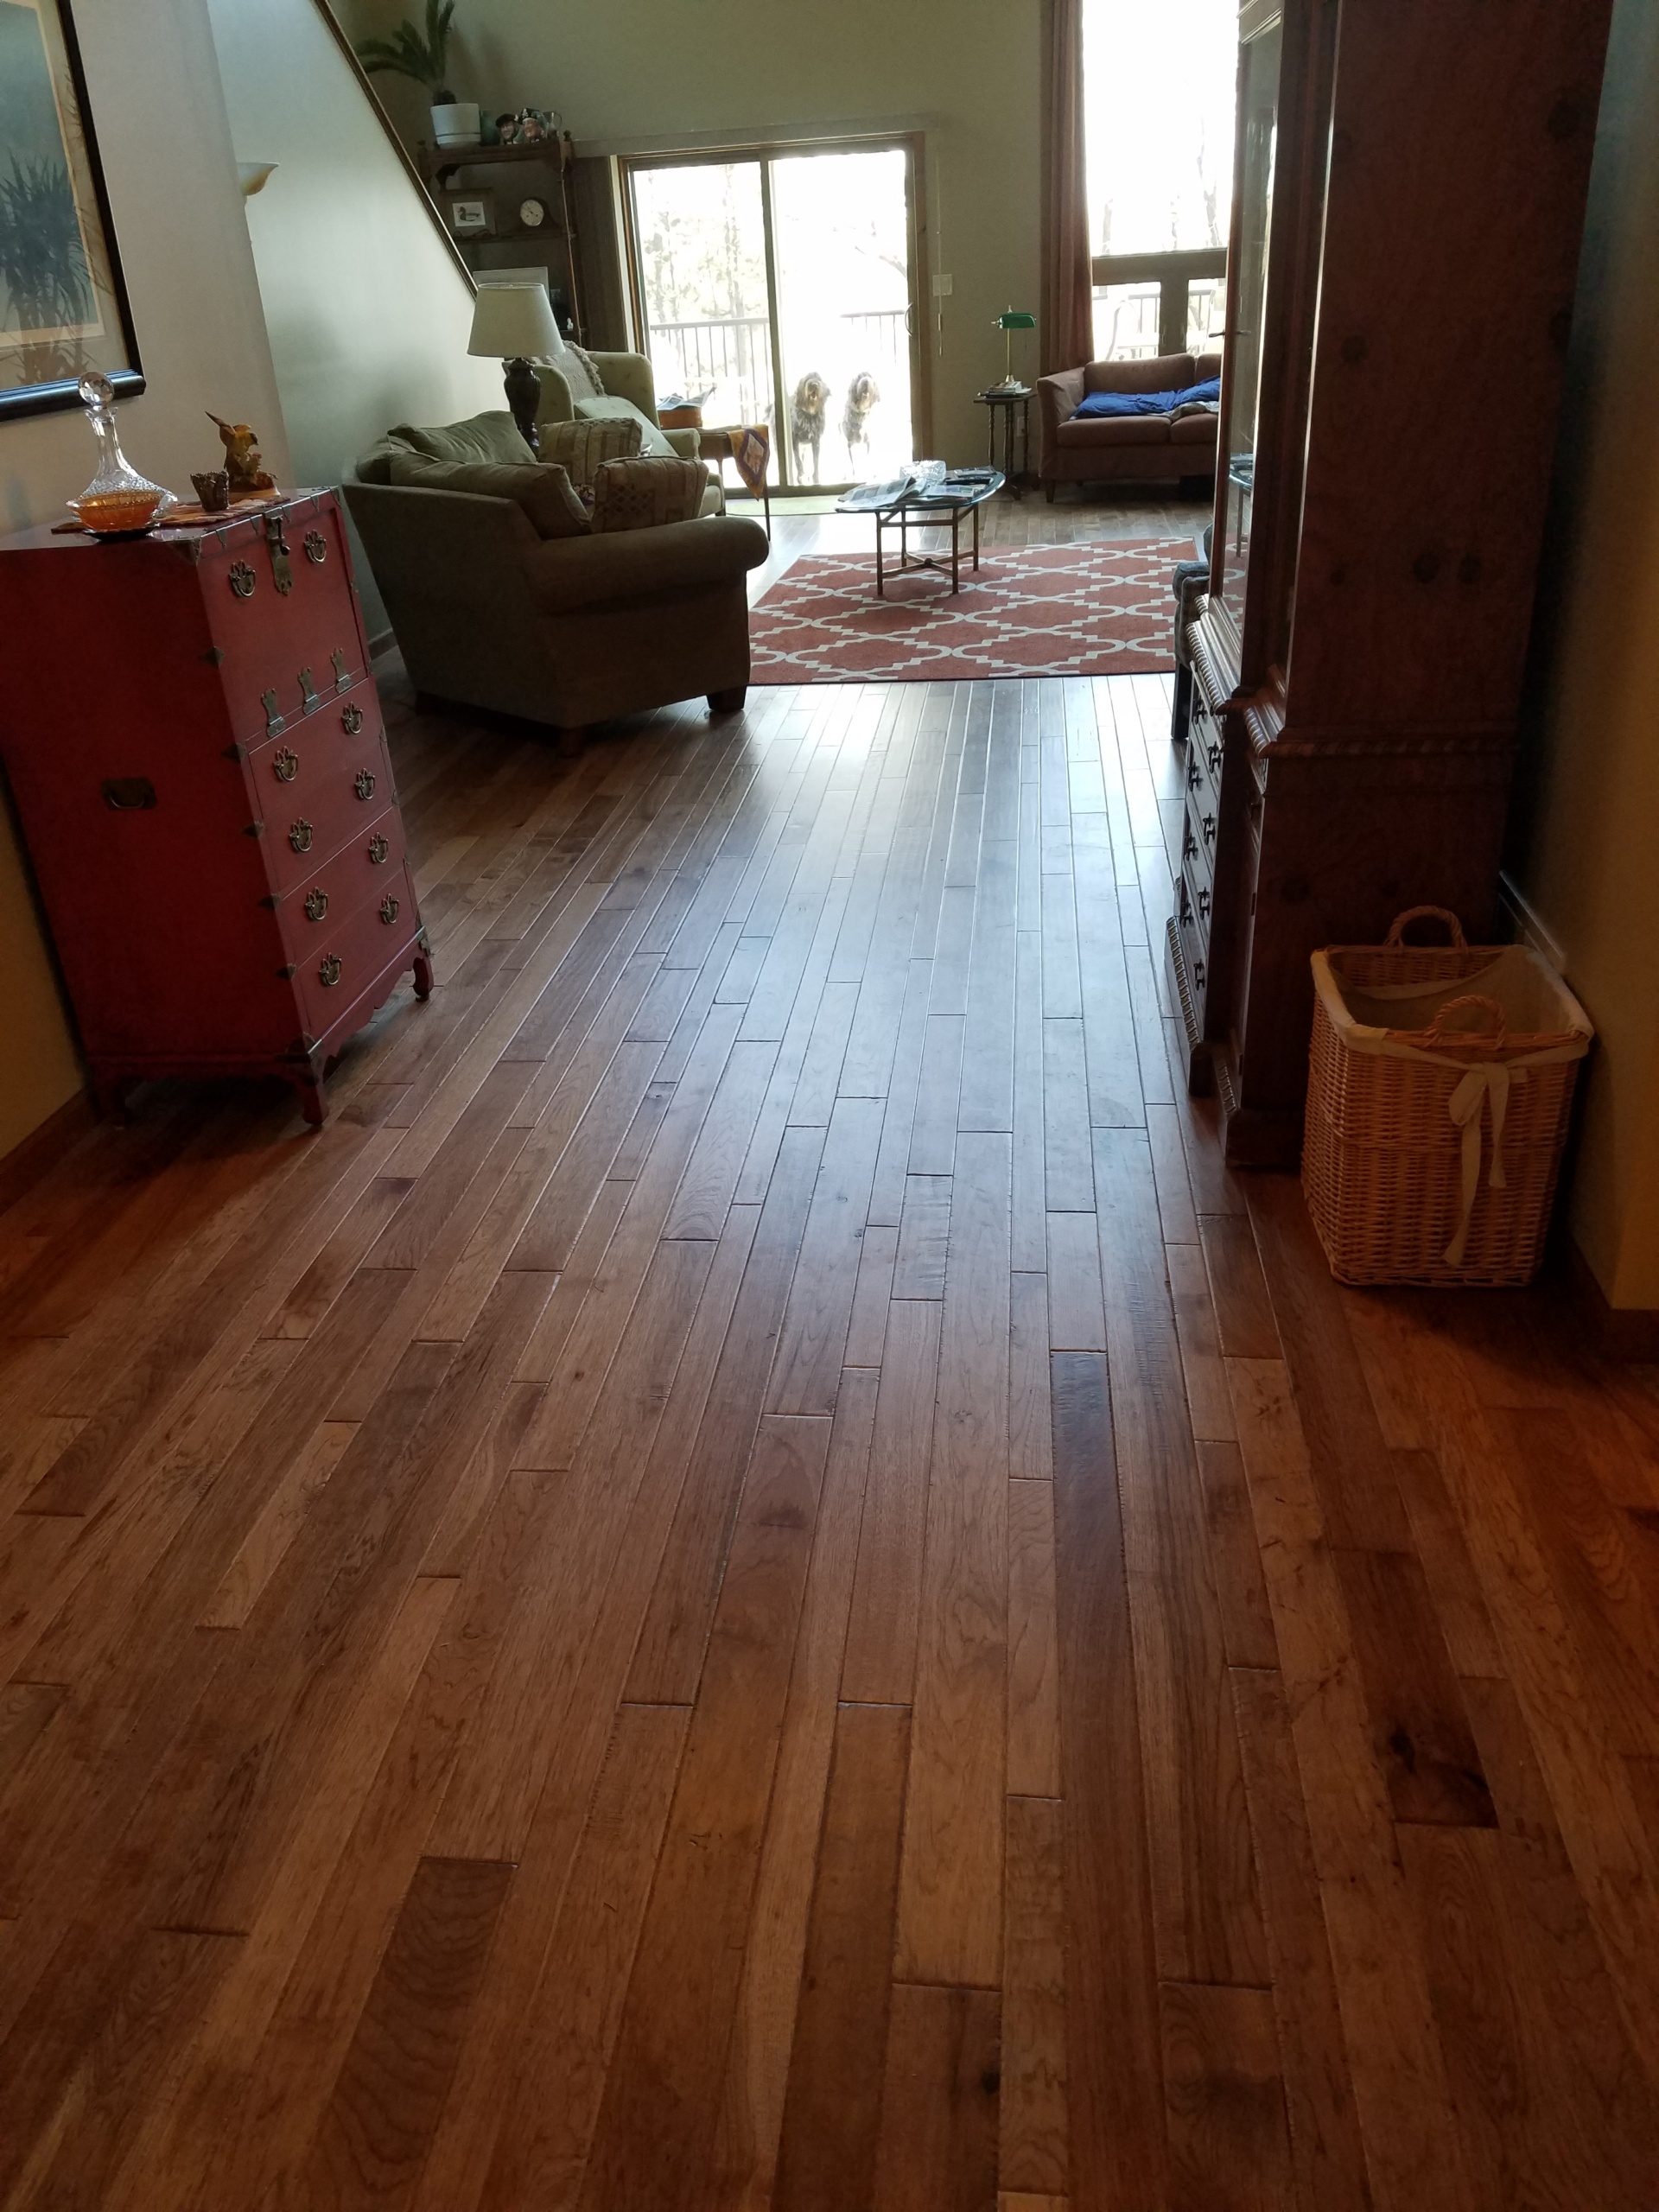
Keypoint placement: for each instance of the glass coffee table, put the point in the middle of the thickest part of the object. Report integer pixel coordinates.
(904, 506)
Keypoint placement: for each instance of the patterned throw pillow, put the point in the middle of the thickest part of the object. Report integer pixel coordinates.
(591, 368)
(641, 494)
(579, 447)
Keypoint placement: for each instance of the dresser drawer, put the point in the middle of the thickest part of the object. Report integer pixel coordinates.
(272, 641)
(354, 952)
(1195, 942)
(1198, 838)
(315, 794)
(311, 913)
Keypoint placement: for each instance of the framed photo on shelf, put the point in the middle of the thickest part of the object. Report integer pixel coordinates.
(63, 305)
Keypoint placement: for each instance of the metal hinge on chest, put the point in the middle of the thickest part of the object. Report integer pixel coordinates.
(281, 569)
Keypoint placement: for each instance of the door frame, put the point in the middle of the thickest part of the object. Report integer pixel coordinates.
(912, 144)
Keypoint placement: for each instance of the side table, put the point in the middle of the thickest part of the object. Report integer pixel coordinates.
(1003, 401)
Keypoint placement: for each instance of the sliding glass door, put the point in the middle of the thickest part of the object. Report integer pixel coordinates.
(792, 274)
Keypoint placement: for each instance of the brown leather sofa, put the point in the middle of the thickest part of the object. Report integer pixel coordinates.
(1118, 448)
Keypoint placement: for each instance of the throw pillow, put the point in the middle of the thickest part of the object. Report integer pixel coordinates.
(590, 369)
(545, 494)
(580, 447)
(653, 439)
(643, 494)
(491, 437)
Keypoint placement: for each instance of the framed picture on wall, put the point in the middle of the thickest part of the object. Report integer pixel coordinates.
(63, 306)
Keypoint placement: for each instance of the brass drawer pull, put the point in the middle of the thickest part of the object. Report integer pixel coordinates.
(388, 909)
(363, 783)
(299, 835)
(1215, 759)
(317, 905)
(308, 691)
(1204, 905)
(1194, 776)
(342, 681)
(273, 720)
(285, 764)
(329, 973)
(317, 548)
(1209, 829)
(378, 848)
(352, 720)
(242, 579)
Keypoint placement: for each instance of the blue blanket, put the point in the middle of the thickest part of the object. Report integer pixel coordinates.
(1149, 403)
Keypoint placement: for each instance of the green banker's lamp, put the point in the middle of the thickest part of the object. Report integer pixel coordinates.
(1008, 322)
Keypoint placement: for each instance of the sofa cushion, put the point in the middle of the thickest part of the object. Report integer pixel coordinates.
(545, 494)
(1195, 428)
(491, 437)
(652, 440)
(1164, 373)
(1084, 432)
(646, 493)
(582, 377)
(579, 447)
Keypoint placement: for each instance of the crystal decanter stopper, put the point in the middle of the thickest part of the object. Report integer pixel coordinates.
(119, 499)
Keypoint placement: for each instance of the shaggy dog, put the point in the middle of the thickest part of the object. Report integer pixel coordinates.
(806, 422)
(864, 394)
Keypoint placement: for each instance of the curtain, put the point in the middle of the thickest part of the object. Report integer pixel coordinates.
(1067, 332)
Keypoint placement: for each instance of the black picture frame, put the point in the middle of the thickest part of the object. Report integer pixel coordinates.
(33, 202)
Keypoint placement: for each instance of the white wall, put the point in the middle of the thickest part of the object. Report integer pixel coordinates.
(1584, 854)
(629, 74)
(368, 314)
(161, 131)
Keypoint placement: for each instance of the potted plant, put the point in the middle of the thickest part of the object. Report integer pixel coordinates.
(455, 123)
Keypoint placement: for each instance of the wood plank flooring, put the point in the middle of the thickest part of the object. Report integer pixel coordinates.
(756, 1582)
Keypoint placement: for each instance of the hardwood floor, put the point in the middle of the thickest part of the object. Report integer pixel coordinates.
(756, 1581)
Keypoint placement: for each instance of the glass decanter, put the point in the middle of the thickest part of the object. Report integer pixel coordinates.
(119, 499)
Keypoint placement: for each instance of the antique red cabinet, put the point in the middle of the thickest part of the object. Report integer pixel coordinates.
(198, 760)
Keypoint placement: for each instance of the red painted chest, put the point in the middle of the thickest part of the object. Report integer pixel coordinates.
(198, 759)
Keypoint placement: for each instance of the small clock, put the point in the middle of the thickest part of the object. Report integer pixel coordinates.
(532, 214)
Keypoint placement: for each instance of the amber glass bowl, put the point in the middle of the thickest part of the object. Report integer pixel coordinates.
(119, 514)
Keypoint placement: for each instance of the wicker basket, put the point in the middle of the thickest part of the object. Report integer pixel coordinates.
(1440, 1083)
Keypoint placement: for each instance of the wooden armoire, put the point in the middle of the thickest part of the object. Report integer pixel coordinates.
(1409, 190)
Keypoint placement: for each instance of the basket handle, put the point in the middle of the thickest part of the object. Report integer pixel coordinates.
(1397, 928)
(1437, 1034)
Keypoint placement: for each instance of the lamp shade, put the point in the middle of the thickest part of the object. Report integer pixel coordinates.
(513, 322)
(1016, 319)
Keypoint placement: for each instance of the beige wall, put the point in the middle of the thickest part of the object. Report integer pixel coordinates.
(631, 71)
(367, 312)
(1586, 849)
(167, 154)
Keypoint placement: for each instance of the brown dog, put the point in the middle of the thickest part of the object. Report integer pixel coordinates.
(863, 395)
(807, 409)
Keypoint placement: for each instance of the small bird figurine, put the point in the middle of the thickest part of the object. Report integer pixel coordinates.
(242, 458)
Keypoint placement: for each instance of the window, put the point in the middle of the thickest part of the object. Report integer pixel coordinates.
(1159, 103)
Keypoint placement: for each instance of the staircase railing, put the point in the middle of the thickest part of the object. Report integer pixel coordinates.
(365, 84)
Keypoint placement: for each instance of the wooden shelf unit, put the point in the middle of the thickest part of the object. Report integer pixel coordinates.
(1408, 204)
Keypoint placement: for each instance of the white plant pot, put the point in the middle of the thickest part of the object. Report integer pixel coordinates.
(455, 123)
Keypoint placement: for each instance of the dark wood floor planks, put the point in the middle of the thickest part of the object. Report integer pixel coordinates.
(757, 1581)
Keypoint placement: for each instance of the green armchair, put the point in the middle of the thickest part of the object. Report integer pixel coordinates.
(627, 376)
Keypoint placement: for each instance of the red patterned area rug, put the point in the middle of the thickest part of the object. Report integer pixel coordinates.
(1103, 608)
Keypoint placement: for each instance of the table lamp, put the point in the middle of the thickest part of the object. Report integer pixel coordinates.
(1008, 322)
(515, 323)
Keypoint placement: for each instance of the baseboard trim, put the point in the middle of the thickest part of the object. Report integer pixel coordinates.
(1618, 1332)
(41, 1151)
